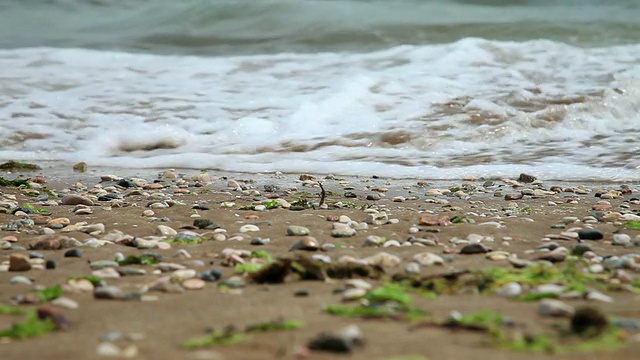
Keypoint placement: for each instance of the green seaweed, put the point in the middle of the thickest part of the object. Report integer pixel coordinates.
(35, 209)
(50, 293)
(247, 268)
(11, 310)
(17, 182)
(271, 204)
(260, 254)
(138, 260)
(389, 300)
(18, 166)
(231, 336)
(277, 325)
(214, 338)
(635, 225)
(31, 326)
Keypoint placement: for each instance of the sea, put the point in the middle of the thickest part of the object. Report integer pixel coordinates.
(440, 89)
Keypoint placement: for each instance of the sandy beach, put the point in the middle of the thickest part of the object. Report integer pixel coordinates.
(467, 226)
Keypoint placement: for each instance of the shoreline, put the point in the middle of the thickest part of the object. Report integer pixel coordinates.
(168, 314)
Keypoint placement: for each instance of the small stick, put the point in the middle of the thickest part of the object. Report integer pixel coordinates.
(323, 193)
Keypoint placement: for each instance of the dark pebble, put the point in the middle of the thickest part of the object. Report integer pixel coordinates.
(580, 249)
(126, 183)
(56, 226)
(202, 223)
(373, 197)
(199, 207)
(301, 293)
(475, 248)
(330, 342)
(590, 234)
(270, 188)
(350, 194)
(108, 197)
(526, 178)
(50, 264)
(211, 275)
(73, 253)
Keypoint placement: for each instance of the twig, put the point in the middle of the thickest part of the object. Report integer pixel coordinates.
(323, 193)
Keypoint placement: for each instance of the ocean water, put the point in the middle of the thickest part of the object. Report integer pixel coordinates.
(406, 89)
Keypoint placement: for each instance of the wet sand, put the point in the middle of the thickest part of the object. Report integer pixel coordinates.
(161, 325)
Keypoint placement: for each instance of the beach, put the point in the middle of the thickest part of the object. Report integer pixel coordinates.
(148, 313)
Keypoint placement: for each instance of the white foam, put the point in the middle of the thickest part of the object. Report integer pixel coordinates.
(473, 107)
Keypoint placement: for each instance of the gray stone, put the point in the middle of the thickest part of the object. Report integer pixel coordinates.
(295, 230)
(20, 280)
(555, 308)
(343, 233)
(108, 292)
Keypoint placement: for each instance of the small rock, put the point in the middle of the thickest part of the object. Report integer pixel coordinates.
(510, 290)
(19, 262)
(353, 294)
(108, 292)
(589, 321)
(475, 248)
(380, 218)
(193, 284)
(72, 199)
(50, 264)
(590, 234)
(555, 308)
(166, 231)
(20, 280)
(307, 243)
(295, 230)
(428, 259)
(106, 273)
(73, 253)
(383, 259)
(339, 233)
(621, 239)
(249, 228)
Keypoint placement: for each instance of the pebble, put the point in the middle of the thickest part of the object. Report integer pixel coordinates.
(193, 284)
(621, 240)
(20, 280)
(497, 255)
(249, 228)
(73, 253)
(65, 302)
(339, 233)
(211, 275)
(295, 230)
(428, 259)
(130, 271)
(307, 243)
(510, 290)
(353, 294)
(357, 284)
(412, 268)
(101, 264)
(50, 264)
(72, 199)
(108, 292)
(590, 234)
(106, 273)
(260, 241)
(234, 282)
(19, 262)
(380, 218)
(598, 296)
(166, 231)
(182, 275)
(82, 285)
(555, 308)
(475, 248)
(373, 240)
(383, 259)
